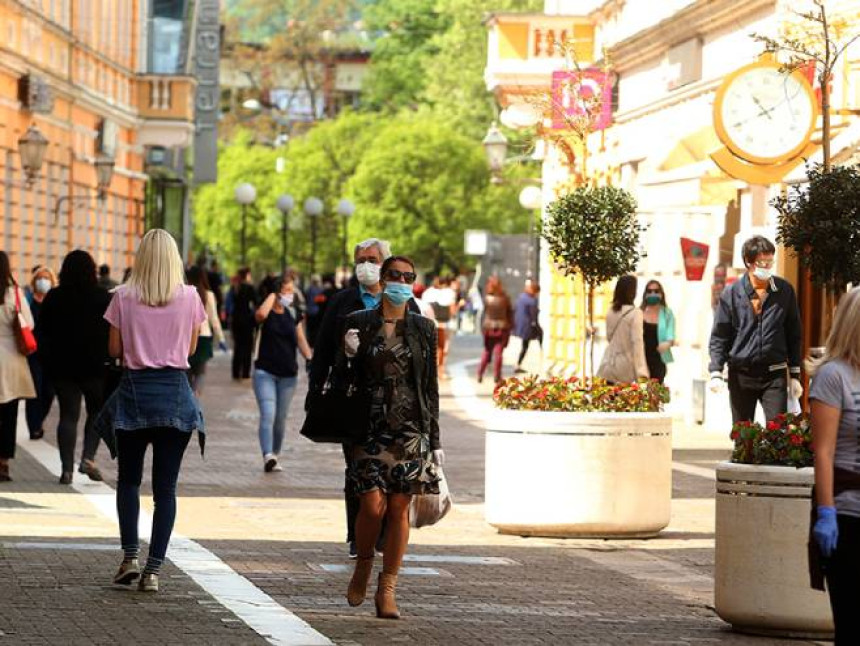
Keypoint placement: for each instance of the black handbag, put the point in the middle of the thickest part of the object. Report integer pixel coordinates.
(339, 412)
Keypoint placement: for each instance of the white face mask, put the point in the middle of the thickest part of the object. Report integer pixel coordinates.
(43, 285)
(286, 299)
(367, 273)
(763, 273)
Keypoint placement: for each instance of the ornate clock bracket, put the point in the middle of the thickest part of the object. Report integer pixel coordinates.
(758, 174)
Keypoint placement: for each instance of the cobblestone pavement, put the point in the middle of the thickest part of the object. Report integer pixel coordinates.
(464, 583)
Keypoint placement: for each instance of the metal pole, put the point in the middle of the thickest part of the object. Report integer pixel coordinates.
(313, 245)
(284, 226)
(345, 243)
(244, 217)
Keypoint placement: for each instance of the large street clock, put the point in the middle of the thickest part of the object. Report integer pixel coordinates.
(766, 118)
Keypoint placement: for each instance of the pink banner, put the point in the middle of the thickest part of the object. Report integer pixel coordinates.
(579, 92)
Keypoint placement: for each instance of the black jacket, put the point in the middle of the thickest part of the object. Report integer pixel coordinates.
(419, 332)
(755, 343)
(72, 332)
(330, 334)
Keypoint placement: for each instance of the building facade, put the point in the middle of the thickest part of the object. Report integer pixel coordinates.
(82, 72)
(668, 60)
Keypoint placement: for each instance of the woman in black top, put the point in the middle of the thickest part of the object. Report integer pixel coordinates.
(281, 333)
(72, 336)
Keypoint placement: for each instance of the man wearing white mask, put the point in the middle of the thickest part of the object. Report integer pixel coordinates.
(757, 333)
(368, 256)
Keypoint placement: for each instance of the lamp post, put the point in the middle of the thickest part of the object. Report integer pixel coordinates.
(32, 147)
(245, 194)
(104, 173)
(496, 146)
(285, 204)
(345, 208)
(313, 208)
(531, 198)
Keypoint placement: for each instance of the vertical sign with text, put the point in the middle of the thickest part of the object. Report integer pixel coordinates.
(207, 60)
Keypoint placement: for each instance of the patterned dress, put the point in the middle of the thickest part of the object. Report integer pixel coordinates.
(396, 456)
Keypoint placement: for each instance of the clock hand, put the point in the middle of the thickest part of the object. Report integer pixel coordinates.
(764, 111)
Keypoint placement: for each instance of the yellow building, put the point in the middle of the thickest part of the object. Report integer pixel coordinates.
(669, 60)
(79, 72)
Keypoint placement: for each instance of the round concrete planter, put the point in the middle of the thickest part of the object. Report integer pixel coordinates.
(761, 584)
(578, 474)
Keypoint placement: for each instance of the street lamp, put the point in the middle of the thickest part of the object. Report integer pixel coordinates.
(104, 173)
(345, 208)
(531, 198)
(285, 204)
(496, 146)
(245, 194)
(32, 147)
(313, 208)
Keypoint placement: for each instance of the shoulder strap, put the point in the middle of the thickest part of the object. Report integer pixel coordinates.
(618, 322)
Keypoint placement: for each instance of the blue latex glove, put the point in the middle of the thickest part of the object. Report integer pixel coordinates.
(826, 532)
(223, 346)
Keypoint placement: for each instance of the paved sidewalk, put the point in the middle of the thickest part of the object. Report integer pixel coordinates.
(464, 583)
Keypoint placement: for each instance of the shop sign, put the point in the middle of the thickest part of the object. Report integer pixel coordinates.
(695, 258)
(578, 93)
(35, 94)
(207, 61)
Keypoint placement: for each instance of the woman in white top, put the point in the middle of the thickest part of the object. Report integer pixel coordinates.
(210, 331)
(15, 380)
(624, 359)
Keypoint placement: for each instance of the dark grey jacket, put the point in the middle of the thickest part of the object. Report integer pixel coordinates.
(420, 335)
(753, 343)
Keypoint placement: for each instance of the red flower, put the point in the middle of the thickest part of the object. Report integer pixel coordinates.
(773, 425)
(796, 440)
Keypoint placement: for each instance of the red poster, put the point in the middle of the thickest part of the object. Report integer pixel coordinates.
(695, 258)
(576, 93)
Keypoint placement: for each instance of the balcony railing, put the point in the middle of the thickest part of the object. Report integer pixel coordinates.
(166, 97)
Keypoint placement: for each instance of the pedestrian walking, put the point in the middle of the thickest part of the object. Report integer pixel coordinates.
(659, 330)
(105, 281)
(835, 412)
(624, 358)
(365, 294)
(443, 299)
(37, 409)
(73, 346)
(526, 325)
(211, 333)
(243, 306)
(16, 383)
(315, 297)
(395, 360)
(281, 334)
(757, 333)
(496, 328)
(154, 321)
(216, 282)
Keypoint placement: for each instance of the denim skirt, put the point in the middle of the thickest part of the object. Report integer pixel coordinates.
(150, 398)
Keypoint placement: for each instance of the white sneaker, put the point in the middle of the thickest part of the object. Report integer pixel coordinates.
(277, 466)
(269, 462)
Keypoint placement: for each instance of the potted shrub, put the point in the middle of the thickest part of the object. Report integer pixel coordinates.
(579, 458)
(761, 582)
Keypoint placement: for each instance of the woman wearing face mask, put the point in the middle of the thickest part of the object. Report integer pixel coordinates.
(281, 334)
(393, 351)
(37, 409)
(658, 330)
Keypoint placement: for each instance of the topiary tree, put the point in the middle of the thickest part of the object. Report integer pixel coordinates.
(820, 223)
(593, 231)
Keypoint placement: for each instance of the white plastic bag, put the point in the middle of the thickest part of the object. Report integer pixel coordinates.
(793, 406)
(429, 509)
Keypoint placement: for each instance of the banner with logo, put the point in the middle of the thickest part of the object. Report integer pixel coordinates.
(578, 93)
(695, 258)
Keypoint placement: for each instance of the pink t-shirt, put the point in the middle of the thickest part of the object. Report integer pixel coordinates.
(155, 337)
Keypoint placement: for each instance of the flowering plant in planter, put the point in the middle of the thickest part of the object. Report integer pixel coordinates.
(786, 440)
(579, 395)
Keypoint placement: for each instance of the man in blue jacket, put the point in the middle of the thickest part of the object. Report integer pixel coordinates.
(757, 333)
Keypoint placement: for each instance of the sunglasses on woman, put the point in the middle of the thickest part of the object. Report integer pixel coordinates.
(393, 275)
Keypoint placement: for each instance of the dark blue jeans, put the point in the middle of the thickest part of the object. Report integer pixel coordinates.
(168, 447)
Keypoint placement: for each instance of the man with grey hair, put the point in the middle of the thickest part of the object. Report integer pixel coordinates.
(368, 256)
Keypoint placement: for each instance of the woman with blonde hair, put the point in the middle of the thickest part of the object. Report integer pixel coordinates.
(155, 321)
(835, 411)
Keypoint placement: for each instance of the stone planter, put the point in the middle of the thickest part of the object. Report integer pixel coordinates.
(578, 474)
(761, 583)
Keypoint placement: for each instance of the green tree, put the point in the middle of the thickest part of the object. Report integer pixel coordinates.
(421, 185)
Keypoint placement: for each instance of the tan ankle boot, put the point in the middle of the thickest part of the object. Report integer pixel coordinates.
(357, 590)
(386, 604)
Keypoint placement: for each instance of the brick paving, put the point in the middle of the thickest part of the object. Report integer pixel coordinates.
(284, 533)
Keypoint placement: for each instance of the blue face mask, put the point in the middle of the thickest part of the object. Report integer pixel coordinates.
(398, 293)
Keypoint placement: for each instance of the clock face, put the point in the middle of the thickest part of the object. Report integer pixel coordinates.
(766, 116)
